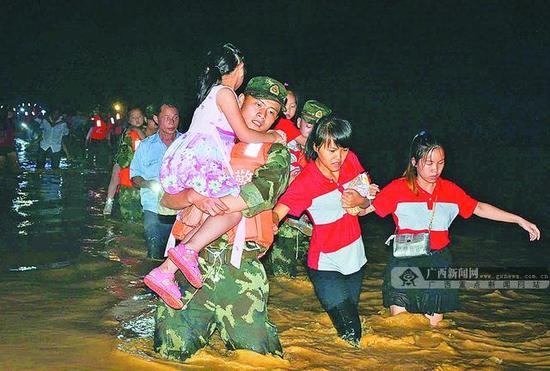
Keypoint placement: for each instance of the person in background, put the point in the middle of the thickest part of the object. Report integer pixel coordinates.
(292, 239)
(98, 141)
(7, 140)
(423, 201)
(151, 127)
(129, 198)
(145, 172)
(53, 131)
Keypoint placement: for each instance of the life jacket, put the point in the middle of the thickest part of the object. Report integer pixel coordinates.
(100, 129)
(124, 174)
(245, 159)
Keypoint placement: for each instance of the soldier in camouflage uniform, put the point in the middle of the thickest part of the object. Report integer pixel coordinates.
(232, 301)
(292, 239)
(128, 197)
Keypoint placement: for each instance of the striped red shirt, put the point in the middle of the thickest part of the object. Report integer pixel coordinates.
(336, 243)
(412, 213)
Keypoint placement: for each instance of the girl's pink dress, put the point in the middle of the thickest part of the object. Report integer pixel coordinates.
(199, 159)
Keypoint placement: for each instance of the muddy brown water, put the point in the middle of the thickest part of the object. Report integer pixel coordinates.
(72, 296)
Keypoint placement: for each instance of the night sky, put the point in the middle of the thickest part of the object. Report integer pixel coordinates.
(396, 63)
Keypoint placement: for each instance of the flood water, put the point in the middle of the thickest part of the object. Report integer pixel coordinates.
(72, 296)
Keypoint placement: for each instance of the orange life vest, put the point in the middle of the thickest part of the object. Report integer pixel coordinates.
(100, 129)
(124, 174)
(259, 228)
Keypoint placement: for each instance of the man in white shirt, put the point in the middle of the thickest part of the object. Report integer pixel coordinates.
(53, 130)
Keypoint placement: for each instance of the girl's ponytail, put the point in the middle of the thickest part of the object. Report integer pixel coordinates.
(210, 77)
(221, 60)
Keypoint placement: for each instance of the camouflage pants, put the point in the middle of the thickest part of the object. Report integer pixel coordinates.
(130, 204)
(232, 301)
(289, 249)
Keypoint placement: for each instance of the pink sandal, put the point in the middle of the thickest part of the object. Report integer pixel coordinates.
(165, 286)
(187, 261)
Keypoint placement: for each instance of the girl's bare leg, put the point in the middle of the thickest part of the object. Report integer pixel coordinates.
(212, 228)
(114, 182)
(200, 236)
(111, 191)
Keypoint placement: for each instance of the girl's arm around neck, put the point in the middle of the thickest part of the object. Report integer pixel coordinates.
(230, 108)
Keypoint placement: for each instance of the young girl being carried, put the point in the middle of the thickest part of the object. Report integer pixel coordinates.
(199, 160)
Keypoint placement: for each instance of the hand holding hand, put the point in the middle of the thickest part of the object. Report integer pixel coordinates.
(373, 190)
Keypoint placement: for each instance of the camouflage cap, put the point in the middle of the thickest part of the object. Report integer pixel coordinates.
(314, 110)
(267, 88)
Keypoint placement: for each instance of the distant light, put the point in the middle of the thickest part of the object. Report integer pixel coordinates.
(21, 109)
(33, 113)
(13, 109)
(2, 106)
(26, 113)
(43, 111)
(118, 116)
(117, 106)
(112, 120)
(28, 104)
(24, 126)
(98, 123)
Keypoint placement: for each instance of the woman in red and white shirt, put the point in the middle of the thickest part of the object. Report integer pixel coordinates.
(336, 256)
(410, 200)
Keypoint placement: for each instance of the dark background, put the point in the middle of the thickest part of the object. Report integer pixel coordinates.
(476, 73)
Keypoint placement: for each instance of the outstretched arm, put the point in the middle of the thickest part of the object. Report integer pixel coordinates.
(487, 211)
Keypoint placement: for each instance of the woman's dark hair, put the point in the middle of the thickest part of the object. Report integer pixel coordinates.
(291, 90)
(221, 60)
(328, 129)
(421, 145)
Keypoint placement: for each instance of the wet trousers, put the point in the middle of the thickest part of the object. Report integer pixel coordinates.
(339, 296)
(130, 204)
(333, 288)
(232, 301)
(157, 230)
(55, 158)
(288, 251)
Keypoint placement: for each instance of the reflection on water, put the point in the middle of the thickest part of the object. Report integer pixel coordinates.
(85, 302)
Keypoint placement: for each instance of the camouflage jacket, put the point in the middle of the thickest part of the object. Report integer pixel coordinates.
(125, 152)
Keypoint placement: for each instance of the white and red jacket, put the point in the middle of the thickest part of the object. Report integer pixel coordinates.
(336, 243)
(412, 213)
